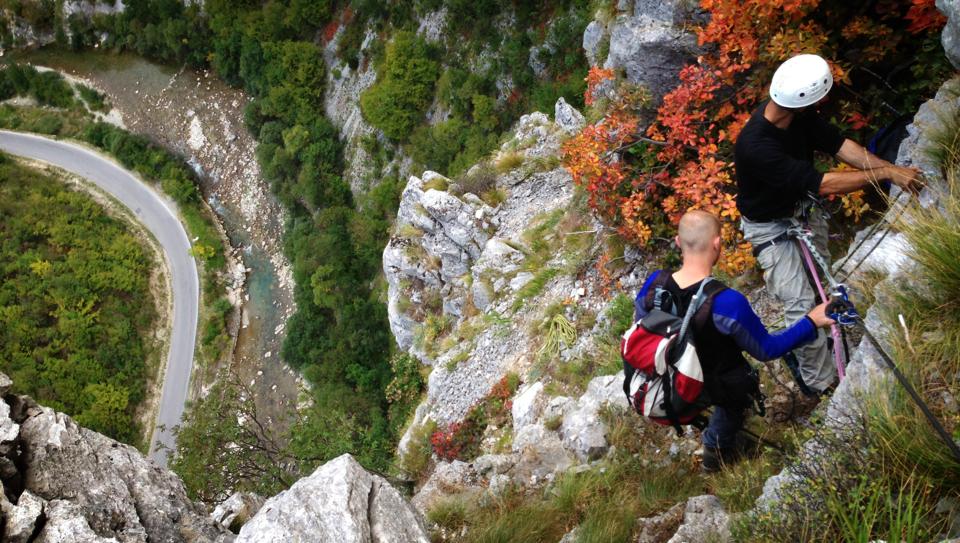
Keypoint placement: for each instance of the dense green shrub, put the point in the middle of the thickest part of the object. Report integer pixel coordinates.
(47, 88)
(404, 390)
(396, 103)
(94, 99)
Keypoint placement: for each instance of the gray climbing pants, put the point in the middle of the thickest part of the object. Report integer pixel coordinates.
(786, 279)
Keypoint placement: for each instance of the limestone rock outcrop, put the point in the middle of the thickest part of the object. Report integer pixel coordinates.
(236, 510)
(951, 32)
(62, 482)
(66, 484)
(650, 43)
(339, 503)
(704, 519)
(24, 34)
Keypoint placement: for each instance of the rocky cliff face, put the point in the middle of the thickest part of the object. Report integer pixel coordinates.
(66, 484)
(26, 34)
(479, 267)
(648, 41)
(474, 287)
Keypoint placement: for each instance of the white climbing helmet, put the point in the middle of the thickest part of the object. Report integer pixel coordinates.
(801, 81)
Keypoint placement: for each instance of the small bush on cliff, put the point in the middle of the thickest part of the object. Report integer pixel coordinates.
(396, 103)
(461, 440)
(404, 390)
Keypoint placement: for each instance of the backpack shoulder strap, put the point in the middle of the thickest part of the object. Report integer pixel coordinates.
(695, 304)
(705, 312)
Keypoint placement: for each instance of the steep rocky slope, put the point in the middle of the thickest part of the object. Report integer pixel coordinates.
(65, 484)
(474, 292)
(471, 297)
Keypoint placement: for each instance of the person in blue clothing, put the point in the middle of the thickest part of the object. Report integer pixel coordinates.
(723, 327)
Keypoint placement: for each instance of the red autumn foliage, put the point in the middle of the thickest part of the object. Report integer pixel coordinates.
(462, 439)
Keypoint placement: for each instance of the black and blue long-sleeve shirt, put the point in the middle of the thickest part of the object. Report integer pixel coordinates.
(732, 327)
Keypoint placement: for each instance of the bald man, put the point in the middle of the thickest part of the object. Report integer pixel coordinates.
(723, 327)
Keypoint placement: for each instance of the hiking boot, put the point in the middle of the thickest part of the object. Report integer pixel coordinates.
(714, 458)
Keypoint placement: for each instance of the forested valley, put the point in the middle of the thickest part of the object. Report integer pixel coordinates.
(76, 310)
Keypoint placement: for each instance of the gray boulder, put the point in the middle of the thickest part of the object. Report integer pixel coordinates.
(704, 519)
(236, 510)
(21, 519)
(111, 487)
(662, 527)
(339, 503)
(66, 523)
(542, 455)
(951, 32)
(592, 38)
(527, 404)
(448, 477)
(652, 45)
(567, 117)
(582, 430)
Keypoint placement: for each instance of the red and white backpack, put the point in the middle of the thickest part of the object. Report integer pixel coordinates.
(663, 378)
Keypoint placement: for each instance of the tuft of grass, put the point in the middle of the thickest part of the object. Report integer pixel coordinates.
(437, 183)
(619, 314)
(559, 332)
(542, 164)
(462, 356)
(571, 378)
(873, 510)
(478, 180)
(509, 161)
(553, 423)
(449, 514)
(604, 501)
(494, 197)
(431, 332)
(409, 231)
(534, 287)
(738, 486)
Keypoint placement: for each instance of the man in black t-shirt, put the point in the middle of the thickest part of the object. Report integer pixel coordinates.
(775, 173)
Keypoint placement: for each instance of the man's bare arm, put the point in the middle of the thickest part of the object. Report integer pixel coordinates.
(843, 182)
(856, 155)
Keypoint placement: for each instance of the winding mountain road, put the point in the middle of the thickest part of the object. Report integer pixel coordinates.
(157, 213)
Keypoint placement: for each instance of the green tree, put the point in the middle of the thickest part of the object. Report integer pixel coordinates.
(108, 411)
(397, 102)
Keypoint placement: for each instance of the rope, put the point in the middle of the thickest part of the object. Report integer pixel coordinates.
(888, 223)
(806, 248)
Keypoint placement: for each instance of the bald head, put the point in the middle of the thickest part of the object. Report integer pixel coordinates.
(697, 231)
